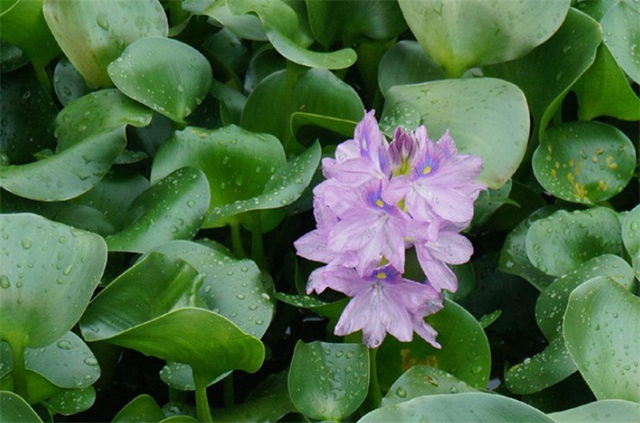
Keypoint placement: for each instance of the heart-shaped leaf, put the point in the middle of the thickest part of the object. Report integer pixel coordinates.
(460, 34)
(328, 381)
(631, 232)
(16, 410)
(606, 411)
(93, 34)
(487, 118)
(621, 26)
(584, 162)
(49, 271)
(142, 408)
(601, 328)
(464, 353)
(172, 208)
(67, 174)
(561, 242)
(466, 407)
(421, 380)
(166, 75)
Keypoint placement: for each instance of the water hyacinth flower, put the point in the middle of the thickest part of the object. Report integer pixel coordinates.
(379, 199)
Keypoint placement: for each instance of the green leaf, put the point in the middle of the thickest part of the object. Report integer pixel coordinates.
(97, 113)
(552, 302)
(631, 232)
(328, 381)
(513, 257)
(23, 25)
(460, 35)
(16, 410)
(264, 62)
(547, 73)
(49, 271)
(487, 118)
(172, 208)
(283, 29)
(422, 380)
(394, 71)
(466, 407)
(606, 411)
(149, 308)
(284, 187)
(522, 202)
(93, 34)
(488, 202)
(248, 27)
(38, 387)
(238, 164)
(68, 82)
(142, 408)
(67, 174)
(22, 99)
(465, 350)
(561, 242)
(166, 75)
(354, 21)
(72, 401)
(584, 162)
(621, 26)
(603, 90)
(601, 328)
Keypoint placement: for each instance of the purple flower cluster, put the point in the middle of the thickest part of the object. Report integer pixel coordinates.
(379, 199)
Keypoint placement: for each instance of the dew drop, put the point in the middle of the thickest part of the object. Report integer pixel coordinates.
(90, 361)
(401, 393)
(64, 345)
(4, 282)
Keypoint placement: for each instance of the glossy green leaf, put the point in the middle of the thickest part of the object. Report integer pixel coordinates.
(547, 73)
(142, 408)
(513, 257)
(172, 208)
(264, 62)
(161, 320)
(464, 353)
(98, 113)
(552, 303)
(72, 401)
(601, 328)
(38, 387)
(465, 407)
(489, 201)
(584, 162)
(561, 242)
(283, 29)
(248, 27)
(16, 410)
(422, 380)
(94, 34)
(49, 274)
(487, 117)
(68, 82)
(22, 24)
(328, 381)
(166, 75)
(67, 174)
(603, 90)
(354, 21)
(238, 164)
(522, 202)
(11, 57)
(459, 34)
(631, 232)
(284, 187)
(606, 411)
(20, 134)
(394, 71)
(621, 26)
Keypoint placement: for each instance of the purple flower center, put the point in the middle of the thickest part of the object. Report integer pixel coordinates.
(427, 165)
(374, 199)
(385, 274)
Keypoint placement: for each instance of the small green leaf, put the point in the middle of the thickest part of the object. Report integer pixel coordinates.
(172, 208)
(16, 410)
(459, 34)
(422, 380)
(601, 328)
(93, 34)
(68, 82)
(11, 57)
(606, 411)
(584, 162)
(631, 232)
(621, 26)
(487, 118)
(328, 381)
(394, 71)
(561, 242)
(166, 75)
(72, 401)
(142, 408)
(466, 407)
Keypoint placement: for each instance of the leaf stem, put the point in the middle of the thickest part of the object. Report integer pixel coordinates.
(203, 411)
(257, 245)
(19, 370)
(229, 397)
(236, 241)
(374, 397)
(293, 72)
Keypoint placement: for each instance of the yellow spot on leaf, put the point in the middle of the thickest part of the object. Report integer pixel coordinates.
(610, 163)
(572, 162)
(602, 186)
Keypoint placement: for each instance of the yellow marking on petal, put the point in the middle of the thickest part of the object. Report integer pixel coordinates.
(381, 275)
(379, 203)
(426, 170)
